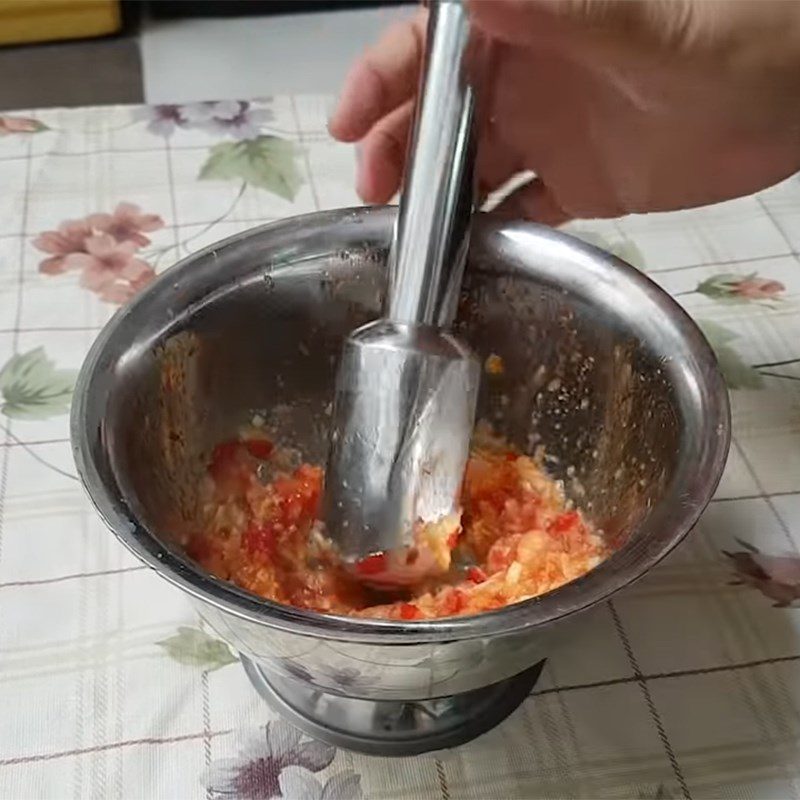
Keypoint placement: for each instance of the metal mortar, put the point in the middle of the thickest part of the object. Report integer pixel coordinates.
(603, 371)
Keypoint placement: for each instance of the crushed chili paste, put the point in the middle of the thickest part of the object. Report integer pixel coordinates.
(516, 538)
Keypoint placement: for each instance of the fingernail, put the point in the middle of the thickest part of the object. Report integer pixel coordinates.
(332, 115)
(340, 117)
(361, 177)
(331, 104)
(358, 106)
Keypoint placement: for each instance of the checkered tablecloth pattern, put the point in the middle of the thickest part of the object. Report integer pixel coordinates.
(686, 685)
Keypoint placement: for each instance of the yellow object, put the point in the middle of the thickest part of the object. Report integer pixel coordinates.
(29, 21)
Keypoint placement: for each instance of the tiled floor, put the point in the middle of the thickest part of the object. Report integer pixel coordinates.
(189, 60)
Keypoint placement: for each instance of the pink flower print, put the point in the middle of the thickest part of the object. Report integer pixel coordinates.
(196, 115)
(161, 119)
(730, 288)
(107, 262)
(126, 224)
(102, 247)
(68, 239)
(20, 125)
(124, 289)
(265, 755)
(299, 782)
(776, 577)
(756, 288)
(234, 117)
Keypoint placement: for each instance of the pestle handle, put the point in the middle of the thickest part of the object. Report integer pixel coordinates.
(432, 233)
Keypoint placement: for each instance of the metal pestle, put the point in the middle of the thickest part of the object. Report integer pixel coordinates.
(406, 388)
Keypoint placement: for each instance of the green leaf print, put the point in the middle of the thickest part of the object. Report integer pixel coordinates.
(723, 287)
(32, 388)
(737, 374)
(731, 288)
(195, 648)
(268, 162)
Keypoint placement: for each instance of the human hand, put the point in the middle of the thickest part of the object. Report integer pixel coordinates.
(618, 106)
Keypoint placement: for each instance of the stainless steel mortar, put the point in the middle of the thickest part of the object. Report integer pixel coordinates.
(602, 369)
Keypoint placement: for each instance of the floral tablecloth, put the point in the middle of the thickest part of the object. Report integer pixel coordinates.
(686, 685)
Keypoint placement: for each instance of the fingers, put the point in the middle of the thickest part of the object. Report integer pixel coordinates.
(382, 156)
(381, 80)
(383, 151)
(534, 202)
